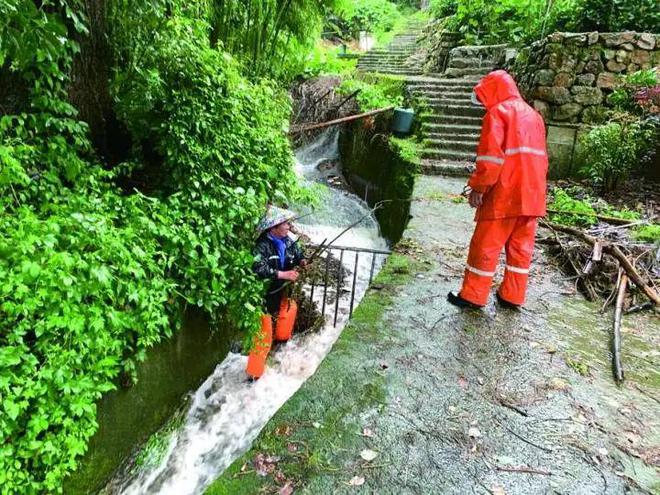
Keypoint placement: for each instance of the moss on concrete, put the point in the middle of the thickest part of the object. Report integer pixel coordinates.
(315, 434)
(378, 170)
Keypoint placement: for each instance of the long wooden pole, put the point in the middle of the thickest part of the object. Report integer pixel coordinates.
(616, 329)
(339, 121)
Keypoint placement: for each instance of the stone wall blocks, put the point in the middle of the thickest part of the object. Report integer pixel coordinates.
(616, 39)
(606, 80)
(592, 38)
(543, 108)
(614, 66)
(646, 41)
(629, 47)
(544, 77)
(609, 54)
(632, 68)
(567, 111)
(585, 79)
(621, 56)
(640, 57)
(594, 67)
(552, 94)
(587, 95)
(564, 80)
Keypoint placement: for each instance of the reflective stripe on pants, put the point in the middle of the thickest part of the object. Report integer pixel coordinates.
(516, 235)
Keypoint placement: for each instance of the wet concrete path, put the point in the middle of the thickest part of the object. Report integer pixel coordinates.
(418, 397)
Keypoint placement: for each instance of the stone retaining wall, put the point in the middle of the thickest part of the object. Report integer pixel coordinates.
(567, 76)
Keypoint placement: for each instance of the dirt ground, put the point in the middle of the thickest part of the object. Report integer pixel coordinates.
(418, 397)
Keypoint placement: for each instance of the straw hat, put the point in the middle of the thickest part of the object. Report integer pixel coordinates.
(273, 217)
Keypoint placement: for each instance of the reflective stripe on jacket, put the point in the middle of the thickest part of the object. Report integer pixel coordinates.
(512, 160)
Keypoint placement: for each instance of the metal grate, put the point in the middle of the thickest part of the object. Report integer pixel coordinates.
(335, 277)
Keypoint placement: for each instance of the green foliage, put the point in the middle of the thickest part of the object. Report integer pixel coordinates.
(485, 22)
(611, 151)
(578, 212)
(325, 59)
(91, 277)
(270, 37)
(443, 8)
(577, 208)
(376, 91)
(524, 21)
(612, 16)
(648, 233)
(408, 149)
(377, 16)
(638, 93)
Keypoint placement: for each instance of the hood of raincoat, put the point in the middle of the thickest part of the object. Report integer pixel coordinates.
(496, 87)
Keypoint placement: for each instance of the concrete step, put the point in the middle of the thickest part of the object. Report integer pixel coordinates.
(449, 93)
(443, 101)
(395, 71)
(457, 110)
(469, 146)
(446, 167)
(434, 118)
(444, 84)
(440, 154)
(472, 137)
(453, 130)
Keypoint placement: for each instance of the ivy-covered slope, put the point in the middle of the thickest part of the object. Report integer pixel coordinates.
(91, 274)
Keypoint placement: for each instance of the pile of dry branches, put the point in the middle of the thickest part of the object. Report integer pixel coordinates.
(603, 262)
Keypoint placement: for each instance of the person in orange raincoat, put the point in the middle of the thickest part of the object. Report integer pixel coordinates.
(276, 258)
(508, 189)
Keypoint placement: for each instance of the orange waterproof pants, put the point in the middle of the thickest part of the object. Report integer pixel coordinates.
(263, 341)
(516, 235)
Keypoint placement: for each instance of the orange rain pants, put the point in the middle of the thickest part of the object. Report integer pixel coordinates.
(516, 235)
(263, 341)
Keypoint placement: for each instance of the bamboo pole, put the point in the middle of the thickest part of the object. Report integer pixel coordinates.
(339, 121)
(616, 329)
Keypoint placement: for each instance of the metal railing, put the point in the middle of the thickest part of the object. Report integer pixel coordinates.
(336, 276)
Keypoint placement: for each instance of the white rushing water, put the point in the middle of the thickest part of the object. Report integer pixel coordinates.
(226, 412)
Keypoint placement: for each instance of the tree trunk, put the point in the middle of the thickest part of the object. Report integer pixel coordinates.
(90, 92)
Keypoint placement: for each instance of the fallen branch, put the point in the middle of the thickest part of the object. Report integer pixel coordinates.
(616, 329)
(523, 469)
(614, 251)
(339, 121)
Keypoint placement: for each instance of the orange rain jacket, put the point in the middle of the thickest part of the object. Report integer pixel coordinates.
(512, 161)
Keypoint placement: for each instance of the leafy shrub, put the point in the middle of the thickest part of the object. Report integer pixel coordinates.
(613, 16)
(408, 149)
(368, 15)
(443, 8)
(638, 92)
(92, 277)
(524, 21)
(611, 151)
(648, 233)
(375, 91)
(577, 211)
(325, 60)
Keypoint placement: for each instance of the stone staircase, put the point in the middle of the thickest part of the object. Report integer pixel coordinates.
(401, 56)
(451, 124)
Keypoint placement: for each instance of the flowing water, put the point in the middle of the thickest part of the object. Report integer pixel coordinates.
(226, 412)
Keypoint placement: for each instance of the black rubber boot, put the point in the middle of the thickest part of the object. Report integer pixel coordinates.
(506, 304)
(459, 302)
